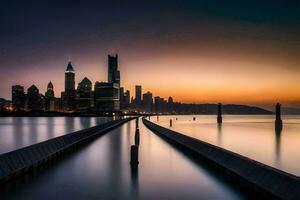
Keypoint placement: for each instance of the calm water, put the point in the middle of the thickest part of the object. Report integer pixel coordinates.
(17, 132)
(252, 136)
(101, 170)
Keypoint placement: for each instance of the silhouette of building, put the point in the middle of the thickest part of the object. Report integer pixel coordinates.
(160, 105)
(127, 99)
(85, 98)
(106, 97)
(49, 98)
(147, 102)
(122, 102)
(170, 105)
(138, 96)
(18, 98)
(34, 99)
(113, 72)
(68, 97)
(124, 99)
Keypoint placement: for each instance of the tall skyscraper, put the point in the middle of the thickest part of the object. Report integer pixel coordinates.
(170, 104)
(113, 72)
(147, 102)
(122, 103)
(127, 99)
(49, 98)
(138, 95)
(69, 78)
(50, 90)
(107, 95)
(69, 95)
(18, 97)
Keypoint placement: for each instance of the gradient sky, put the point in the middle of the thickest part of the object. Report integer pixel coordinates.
(196, 51)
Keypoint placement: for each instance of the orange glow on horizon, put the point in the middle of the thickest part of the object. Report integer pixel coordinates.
(198, 77)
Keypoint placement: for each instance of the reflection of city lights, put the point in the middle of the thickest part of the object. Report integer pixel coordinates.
(9, 108)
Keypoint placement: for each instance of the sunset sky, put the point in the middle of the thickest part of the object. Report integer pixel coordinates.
(196, 51)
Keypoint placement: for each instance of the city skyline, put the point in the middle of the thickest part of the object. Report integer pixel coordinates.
(106, 97)
(210, 53)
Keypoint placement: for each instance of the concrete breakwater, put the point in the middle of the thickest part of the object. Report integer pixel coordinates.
(255, 177)
(16, 163)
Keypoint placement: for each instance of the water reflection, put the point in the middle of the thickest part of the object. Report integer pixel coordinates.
(219, 134)
(50, 127)
(18, 132)
(114, 155)
(101, 170)
(278, 147)
(33, 130)
(69, 124)
(252, 136)
(134, 182)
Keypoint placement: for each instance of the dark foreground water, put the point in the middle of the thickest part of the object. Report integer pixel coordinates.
(101, 170)
(252, 136)
(17, 132)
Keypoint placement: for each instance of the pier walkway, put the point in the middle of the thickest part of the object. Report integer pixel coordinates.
(249, 174)
(18, 162)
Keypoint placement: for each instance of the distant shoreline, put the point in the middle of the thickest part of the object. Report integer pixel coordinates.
(108, 115)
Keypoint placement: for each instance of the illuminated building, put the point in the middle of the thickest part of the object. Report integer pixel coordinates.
(68, 97)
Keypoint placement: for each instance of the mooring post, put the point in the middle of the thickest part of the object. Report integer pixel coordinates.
(194, 118)
(170, 122)
(149, 117)
(157, 118)
(137, 137)
(134, 155)
(176, 118)
(278, 121)
(219, 118)
(137, 122)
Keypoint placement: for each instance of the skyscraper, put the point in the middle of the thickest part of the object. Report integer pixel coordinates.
(69, 95)
(69, 78)
(138, 95)
(147, 102)
(50, 90)
(84, 95)
(127, 99)
(170, 104)
(113, 72)
(49, 98)
(107, 97)
(122, 103)
(18, 97)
